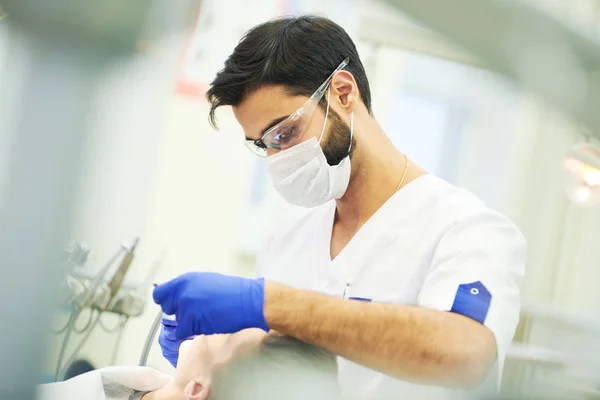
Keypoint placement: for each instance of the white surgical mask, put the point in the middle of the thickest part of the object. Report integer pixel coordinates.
(302, 175)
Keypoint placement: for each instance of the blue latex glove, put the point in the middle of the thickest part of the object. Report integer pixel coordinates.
(169, 344)
(206, 303)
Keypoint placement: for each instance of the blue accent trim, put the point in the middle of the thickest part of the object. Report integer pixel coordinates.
(472, 300)
(360, 299)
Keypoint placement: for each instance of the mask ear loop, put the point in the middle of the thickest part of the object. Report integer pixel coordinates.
(351, 131)
(326, 114)
(325, 123)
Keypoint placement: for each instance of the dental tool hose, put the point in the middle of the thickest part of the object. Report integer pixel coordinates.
(88, 297)
(150, 339)
(114, 285)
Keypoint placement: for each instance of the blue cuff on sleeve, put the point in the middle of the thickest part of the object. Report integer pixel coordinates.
(472, 300)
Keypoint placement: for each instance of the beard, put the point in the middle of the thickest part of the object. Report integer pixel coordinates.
(336, 144)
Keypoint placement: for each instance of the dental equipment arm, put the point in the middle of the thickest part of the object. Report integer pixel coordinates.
(85, 302)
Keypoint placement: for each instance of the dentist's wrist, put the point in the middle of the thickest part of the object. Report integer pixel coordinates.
(275, 307)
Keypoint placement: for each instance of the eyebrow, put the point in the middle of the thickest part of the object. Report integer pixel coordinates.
(271, 124)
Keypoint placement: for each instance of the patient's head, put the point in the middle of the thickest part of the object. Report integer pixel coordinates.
(250, 365)
(283, 368)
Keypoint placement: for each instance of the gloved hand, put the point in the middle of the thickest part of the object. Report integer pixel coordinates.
(206, 303)
(169, 344)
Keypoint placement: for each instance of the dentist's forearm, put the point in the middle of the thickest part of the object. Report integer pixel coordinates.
(409, 343)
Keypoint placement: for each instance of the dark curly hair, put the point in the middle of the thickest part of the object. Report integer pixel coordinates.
(297, 52)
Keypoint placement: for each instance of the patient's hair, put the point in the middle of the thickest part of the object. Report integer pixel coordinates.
(284, 368)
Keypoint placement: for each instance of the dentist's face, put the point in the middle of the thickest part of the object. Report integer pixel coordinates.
(269, 105)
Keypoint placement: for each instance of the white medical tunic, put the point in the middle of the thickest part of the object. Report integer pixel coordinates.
(431, 244)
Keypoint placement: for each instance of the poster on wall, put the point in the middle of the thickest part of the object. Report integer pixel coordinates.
(218, 27)
(187, 82)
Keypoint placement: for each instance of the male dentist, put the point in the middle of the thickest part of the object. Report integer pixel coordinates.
(411, 281)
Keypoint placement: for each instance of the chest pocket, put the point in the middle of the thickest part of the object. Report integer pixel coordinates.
(393, 271)
(302, 270)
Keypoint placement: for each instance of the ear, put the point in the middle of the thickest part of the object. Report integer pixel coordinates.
(198, 389)
(344, 87)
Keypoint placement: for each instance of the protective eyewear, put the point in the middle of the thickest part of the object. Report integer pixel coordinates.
(288, 132)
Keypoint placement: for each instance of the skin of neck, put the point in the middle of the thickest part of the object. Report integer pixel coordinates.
(377, 169)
